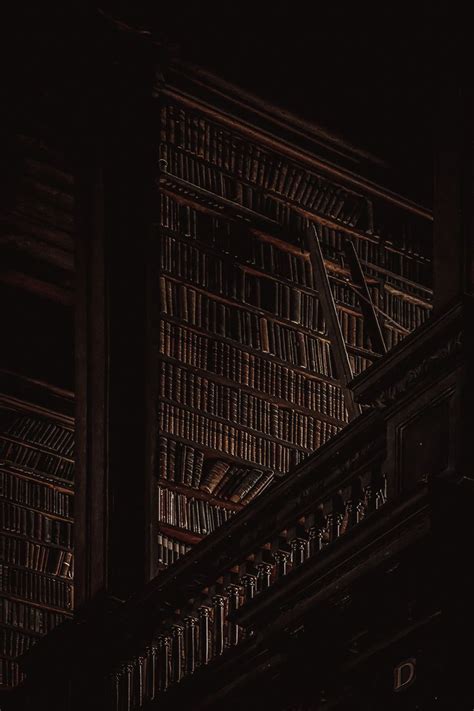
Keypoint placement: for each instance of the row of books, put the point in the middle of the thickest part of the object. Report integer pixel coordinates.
(405, 312)
(240, 157)
(254, 166)
(407, 232)
(184, 260)
(226, 438)
(41, 432)
(284, 301)
(266, 255)
(169, 549)
(249, 370)
(29, 458)
(257, 332)
(183, 464)
(27, 522)
(225, 278)
(193, 515)
(397, 282)
(231, 403)
(14, 643)
(392, 336)
(358, 363)
(36, 587)
(353, 331)
(344, 294)
(237, 484)
(35, 556)
(221, 277)
(230, 237)
(180, 463)
(35, 494)
(234, 239)
(10, 674)
(263, 254)
(409, 267)
(30, 618)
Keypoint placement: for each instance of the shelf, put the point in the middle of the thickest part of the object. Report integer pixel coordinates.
(27, 507)
(37, 447)
(45, 574)
(36, 541)
(180, 534)
(23, 630)
(323, 219)
(245, 306)
(199, 494)
(281, 402)
(236, 425)
(282, 245)
(36, 477)
(67, 611)
(235, 261)
(248, 349)
(172, 183)
(215, 454)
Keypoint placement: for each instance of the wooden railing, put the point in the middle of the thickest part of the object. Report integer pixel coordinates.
(341, 518)
(319, 504)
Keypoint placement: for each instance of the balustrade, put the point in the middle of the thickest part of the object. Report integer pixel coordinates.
(207, 628)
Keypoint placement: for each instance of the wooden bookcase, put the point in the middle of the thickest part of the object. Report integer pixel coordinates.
(247, 380)
(36, 504)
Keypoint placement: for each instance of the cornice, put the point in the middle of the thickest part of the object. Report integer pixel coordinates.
(421, 355)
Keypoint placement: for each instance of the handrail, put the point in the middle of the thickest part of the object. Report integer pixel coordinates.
(187, 619)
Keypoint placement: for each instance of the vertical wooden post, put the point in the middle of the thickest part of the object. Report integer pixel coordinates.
(114, 375)
(453, 252)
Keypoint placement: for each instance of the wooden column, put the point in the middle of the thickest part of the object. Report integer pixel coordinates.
(453, 253)
(115, 382)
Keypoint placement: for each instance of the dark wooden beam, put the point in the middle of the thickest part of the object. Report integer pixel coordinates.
(115, 384)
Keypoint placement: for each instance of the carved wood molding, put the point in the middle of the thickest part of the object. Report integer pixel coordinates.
(426, 367)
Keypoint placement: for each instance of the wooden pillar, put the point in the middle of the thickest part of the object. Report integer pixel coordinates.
(453, 254)
(115, 382)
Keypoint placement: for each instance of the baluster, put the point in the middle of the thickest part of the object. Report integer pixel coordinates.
(218, 602)
(151, 689)
(164, 662)
(250, 585)
(264, 576)
(380, 491)
(113, 691)
(204, 637)
(298, 544)
(233, 592)
(348, 517)
(126, 687)
(322, 524)
(281, 559)
(298, 550)
(312, 532)
(137, 671)
(369, 498)
(358, 502)
(177, 653)
(190, 639)
(338, 512)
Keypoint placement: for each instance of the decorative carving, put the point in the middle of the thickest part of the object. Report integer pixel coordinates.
(427, 366)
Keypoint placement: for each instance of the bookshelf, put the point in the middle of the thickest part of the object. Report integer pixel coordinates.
(36, 513)
(247, 376)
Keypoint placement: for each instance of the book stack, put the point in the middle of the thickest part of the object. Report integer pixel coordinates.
(247, 385)
(36, 540)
